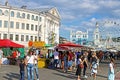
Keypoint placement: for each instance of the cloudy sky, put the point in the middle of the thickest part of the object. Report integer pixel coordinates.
(81, 14)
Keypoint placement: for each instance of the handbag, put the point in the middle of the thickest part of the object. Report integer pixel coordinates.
(81, 65)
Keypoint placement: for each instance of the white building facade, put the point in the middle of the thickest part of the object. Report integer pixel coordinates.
(22, 25)
(79, 37)
(97, 36)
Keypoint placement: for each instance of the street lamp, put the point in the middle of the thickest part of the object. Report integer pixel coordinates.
(9, 23)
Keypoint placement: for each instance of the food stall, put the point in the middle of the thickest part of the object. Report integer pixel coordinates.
(7, 47)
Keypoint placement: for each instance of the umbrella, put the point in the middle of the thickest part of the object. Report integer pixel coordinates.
(9, 43)
(69, 44)
(62, 48)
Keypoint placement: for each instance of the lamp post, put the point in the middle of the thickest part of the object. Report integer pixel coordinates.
(9, 24)
(38, 27)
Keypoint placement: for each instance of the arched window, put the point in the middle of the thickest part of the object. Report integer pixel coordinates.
(0, 12)
(28, 16)
(18, 14)
(12, 13)
(32, 17)
(36, 18)
(23, 15)
(6, 13)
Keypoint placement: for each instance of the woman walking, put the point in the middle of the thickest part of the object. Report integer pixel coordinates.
(111, 74)
(79, 67)
(94, 65)
(65, 62)
(30, 65)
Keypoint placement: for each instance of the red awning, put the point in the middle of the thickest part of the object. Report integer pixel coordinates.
(62, 48)
(69, 44)
(9, 43)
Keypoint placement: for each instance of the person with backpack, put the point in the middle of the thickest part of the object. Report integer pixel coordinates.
(94, 65)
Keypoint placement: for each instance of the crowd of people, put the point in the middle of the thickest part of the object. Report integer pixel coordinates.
(80, 60)
(69, 60)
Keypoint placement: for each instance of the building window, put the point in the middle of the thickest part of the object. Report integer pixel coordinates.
(18, 14)
(5, 24)
(31, 38)
(35, 38)
(23, 25)
(12, 13)
(22, 37)
(40, 28)
(35, 27)
(36, 18)
(32, 27)
(17, 25)
(27, 27)
(4, 36)
(27, 38)
(23, 15)
(0, 23)
(0, 12)
(11, 24)
(39, 38)
(40, 18)
(17, 37)
(28, 16)
(11, 36)
(6, 13)
(96, 36)
(32, 17)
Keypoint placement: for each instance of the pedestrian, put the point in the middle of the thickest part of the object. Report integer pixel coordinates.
(65, 58)
(36, 65)
(94, 65)
(30, 65)
(22, 70)
(56, 58)
(1, 55)
(85, 63)
(70, 58)
(111, 75)
(79, 67)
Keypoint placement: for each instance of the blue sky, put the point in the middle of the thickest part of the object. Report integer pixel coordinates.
(81, 14)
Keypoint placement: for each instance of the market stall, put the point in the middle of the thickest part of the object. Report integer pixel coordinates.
(7, 47)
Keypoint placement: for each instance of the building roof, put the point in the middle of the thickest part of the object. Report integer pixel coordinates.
(41, 9)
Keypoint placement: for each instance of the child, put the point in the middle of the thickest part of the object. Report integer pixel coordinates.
(22, 65)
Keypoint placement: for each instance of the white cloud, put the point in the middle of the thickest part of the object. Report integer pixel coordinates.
(116, 12)
(79, 14)
(68, 28)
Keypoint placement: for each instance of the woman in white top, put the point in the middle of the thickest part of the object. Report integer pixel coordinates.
(111, 75)
(30, 65)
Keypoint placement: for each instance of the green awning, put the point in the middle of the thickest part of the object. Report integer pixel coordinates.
(48, 45)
